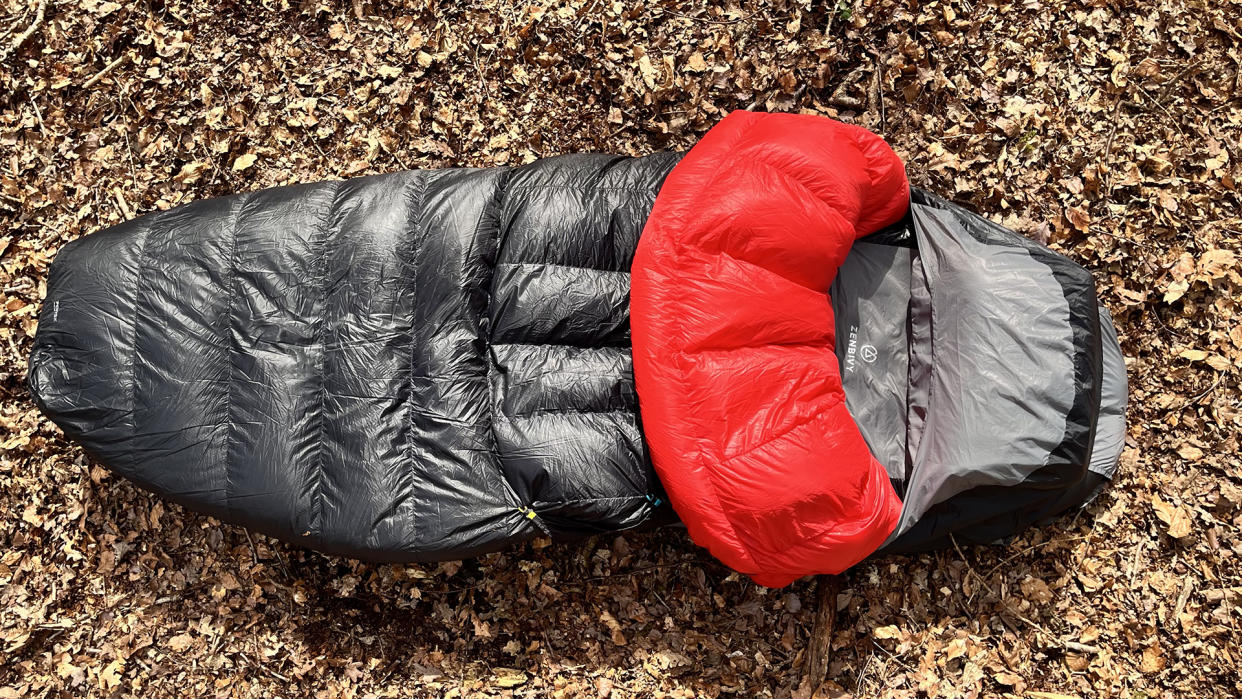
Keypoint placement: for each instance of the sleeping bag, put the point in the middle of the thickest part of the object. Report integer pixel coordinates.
(813, 362)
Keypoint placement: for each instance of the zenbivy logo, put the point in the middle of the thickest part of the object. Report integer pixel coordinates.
(868, 353)
(851, 350)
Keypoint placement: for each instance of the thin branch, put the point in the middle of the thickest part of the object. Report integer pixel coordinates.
(819, 647)
(1081, 647)
(40, 15)
(106, 69)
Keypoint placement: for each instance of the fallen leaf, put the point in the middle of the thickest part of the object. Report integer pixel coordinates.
(244, 161)
(886, 632)
(508, 677)
(1078, 218)
(1176, 290)
(1190, 452)
(1153, 659)
(1176, 520)
(1007, 678)
(1215, 263)
(1036, 590)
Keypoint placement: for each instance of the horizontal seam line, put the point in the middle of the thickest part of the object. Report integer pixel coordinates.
(572, 502)
(571, 411)
(563, 266)
(580, 188)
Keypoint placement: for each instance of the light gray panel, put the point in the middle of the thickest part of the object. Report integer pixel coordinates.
(1110, 430)
(1001, 377)
(869, 299)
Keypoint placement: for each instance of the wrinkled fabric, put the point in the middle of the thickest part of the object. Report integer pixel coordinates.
(413, 366)
(1014, 388)
(431, 365)
(734, 343)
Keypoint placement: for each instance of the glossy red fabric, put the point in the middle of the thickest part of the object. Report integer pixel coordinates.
(738, 383)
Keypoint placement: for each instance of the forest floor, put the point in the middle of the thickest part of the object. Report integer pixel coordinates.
(1114, 133)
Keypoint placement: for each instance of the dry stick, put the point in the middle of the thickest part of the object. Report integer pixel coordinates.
(875, 92)
(862, 674)
(1108, 146)
(586, 12)
(106, 69)
(819, 649)
(1182, 599)
(762, 99)
(1027, 550)
(970, 568)
(1169, 84)
(1081, 647)
(42, 127)
(40, 14)
(254, 555)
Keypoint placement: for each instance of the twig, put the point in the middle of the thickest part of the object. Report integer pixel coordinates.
(1222, 594)
(122, 204)
(819, 648)
(1184, 597)
(1081, 647)
(42, 127)
(647, 569)
(1159, 103)
(862, 674)
(583, 14)
(254, 555)
(1027, 550)
(970, 568)
(1169, 84)
(761, 99)
(875, 93)
(106, 69)
(1039, 629)
(1108, 146)
(1196, 399)
(40, 14)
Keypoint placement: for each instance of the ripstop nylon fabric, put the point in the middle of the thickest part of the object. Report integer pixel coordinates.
(422, 365)
(435, 364)
(733, 342)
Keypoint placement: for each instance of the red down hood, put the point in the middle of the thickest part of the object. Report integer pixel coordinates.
(733, 340)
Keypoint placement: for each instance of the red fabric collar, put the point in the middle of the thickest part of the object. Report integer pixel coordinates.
(732, 328)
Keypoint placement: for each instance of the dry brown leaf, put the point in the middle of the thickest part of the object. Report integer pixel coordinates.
(509, 677)
(1153, 659)
(1078, 218)
(1215, 263)
(1176, 520)
(180, 642)
(1190, 452)
(886, 632)
(243, 162)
